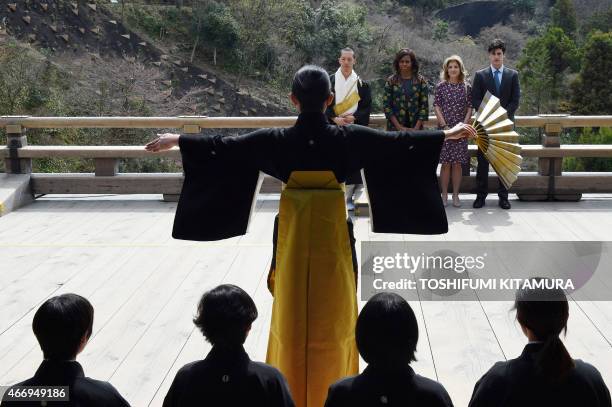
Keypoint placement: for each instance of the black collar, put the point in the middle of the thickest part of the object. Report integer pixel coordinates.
(531, 349)
(60, 370)
(311, 120)
(228, 355)
(402, 371)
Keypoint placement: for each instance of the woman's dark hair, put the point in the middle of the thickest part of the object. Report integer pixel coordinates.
(61, 323)
(413, 60)
(545, 312)
(387, 331)
(497, 44)
(311, 87)
(225, 315)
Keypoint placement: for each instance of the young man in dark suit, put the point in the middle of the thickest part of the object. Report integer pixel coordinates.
(227, 377)
(502, 82)
(63, 325)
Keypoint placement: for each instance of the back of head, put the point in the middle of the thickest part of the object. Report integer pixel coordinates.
(61, 323)
(225, 315)
(387, 331)
(311, 87)
(545, 312)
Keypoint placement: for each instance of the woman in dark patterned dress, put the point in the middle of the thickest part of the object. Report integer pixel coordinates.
(405, 100)
(453, 104)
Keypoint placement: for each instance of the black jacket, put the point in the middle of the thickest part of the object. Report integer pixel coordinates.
(364, 106)
(385, 387)
(510, 91)
(227, 377)
(515, 383)
(84, 392)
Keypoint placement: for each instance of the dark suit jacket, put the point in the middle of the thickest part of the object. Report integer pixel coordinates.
(362, 114)
(510, 92)
(385, 387)
(227, 377)
(221, 174)
(515, 383)
(84, 392)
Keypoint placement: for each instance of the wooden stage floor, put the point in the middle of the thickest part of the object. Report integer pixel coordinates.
(117, 252)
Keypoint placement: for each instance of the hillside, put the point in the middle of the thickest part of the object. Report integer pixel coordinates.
(98, 52)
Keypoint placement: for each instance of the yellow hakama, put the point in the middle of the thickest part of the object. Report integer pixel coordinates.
(312, 333)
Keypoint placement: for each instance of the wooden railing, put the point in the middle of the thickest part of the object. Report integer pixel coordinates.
(547, 183)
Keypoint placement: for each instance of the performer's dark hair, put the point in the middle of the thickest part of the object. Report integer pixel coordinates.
(61, 323)
(225, 315)
(311, 87)
(545, 313)
(387, 331)
(413, 61)
(497, 44)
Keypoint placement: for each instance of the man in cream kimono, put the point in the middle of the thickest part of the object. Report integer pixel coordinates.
(352, 104)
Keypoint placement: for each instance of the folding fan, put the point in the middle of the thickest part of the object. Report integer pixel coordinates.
(497, 140)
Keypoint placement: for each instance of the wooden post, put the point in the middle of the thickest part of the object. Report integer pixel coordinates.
(15, 139)
(106, 167)
(551, 166)
(551, 138)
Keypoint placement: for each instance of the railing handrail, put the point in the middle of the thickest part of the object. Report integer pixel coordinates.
(115, 151)
(141, 122)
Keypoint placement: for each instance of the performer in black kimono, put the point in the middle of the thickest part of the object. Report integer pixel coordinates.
(352, 105)
(312, 329)
(222, 173)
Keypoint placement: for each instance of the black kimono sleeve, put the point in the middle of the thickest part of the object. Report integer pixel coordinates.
(220, 187)
(400, 176)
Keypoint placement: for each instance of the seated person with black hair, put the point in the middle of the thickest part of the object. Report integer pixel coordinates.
(387, 334)
(227, 377)
(63, 325)
(544, 374)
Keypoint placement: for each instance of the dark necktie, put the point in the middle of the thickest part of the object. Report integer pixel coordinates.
(497, 81)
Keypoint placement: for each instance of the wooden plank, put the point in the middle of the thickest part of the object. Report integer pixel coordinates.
(22, 223)
(123, 183)
(51, 232)
(567, 150)
(165, 334)
(460, 362)
(90, 152)
(171, 183)
(42, 282)
(122, 331)
(19, 351)
(257, 122)
(54, 228)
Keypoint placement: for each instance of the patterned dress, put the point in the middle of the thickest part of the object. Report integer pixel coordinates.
(407, 107)
(452, 100)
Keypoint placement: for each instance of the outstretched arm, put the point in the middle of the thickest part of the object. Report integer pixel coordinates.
(163, 142)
